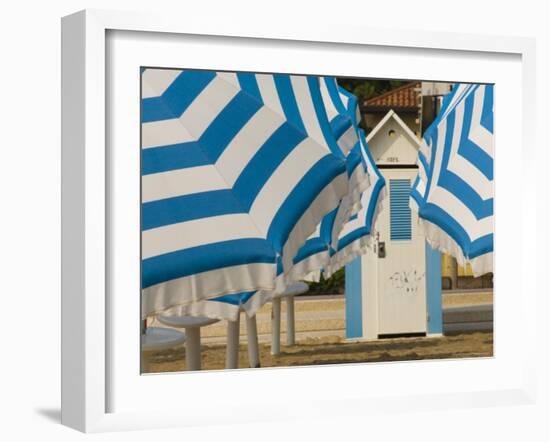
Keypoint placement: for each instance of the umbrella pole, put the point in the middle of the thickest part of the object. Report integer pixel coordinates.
(276, 326)
(290, 331)
(232, 351)
(252, 336)
(193, 348)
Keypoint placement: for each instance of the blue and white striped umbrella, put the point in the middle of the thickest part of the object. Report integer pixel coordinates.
(343, 112)
(314, 255)
(351, 104)
(237, 172)
(356, 235)
(342, 122)
(333, 245)
(430, 137)
(453, 192)
(225, 307)
(228, 306)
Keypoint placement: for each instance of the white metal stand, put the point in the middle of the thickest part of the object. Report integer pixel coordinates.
(276, 326)
(232, 351)
(253, 349)
(290, 329)
(193, 348)
(294, 289)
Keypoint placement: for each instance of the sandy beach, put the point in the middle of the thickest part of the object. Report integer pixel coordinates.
(320, 335)
(334, 350)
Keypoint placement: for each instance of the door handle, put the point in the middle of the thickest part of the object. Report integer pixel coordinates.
(382, 249)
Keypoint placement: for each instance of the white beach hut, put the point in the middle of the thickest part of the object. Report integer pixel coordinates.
(395, 288)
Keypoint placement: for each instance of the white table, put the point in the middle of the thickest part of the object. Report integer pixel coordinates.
(157, 339)
(292, 290)
(192, 326)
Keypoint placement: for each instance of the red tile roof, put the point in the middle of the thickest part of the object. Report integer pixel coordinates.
(404, 97)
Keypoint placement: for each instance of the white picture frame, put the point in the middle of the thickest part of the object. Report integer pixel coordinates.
(88, 230)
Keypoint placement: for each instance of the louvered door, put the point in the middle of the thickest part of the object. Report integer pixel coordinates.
(401, 278)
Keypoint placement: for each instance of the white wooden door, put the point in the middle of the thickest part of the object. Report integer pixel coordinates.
(402, 260)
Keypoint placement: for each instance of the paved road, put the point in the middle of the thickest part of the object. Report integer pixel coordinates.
(468, 318)
(322, 316)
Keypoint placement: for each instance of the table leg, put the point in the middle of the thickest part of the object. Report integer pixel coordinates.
(290, 331)
(252, 335)
(232, 351)
(193, 348)
(276, 326)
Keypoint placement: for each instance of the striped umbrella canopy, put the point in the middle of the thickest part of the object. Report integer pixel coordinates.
(343, 113)
(356, 235)
(338, 241)
(237, 171)
(351, 105)
(429, 139)
(314, 255)
(453, 192)
(226, 307)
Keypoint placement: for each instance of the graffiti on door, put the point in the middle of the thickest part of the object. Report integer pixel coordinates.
(407, 282)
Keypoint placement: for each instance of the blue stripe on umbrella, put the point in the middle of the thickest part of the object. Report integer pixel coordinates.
(194, 260)
(177, 98)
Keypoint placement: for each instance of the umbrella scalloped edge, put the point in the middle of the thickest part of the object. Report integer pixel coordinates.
(440, 240)
(358, 247)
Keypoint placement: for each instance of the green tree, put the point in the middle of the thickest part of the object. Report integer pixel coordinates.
(366, 89)
(332, 285)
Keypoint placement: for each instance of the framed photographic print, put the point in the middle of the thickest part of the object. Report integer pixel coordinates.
(284, 219)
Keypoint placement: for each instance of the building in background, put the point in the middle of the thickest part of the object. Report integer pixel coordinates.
(405, 101)
(431, 96)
